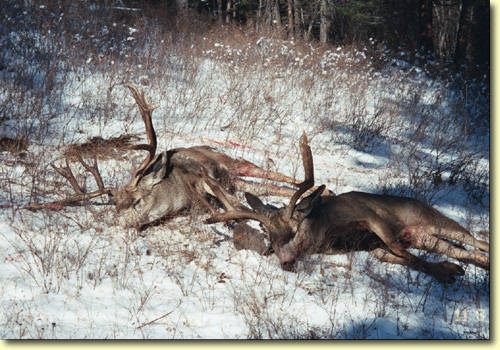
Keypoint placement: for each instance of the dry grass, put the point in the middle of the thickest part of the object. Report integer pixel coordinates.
(112, 148)
(8, 144)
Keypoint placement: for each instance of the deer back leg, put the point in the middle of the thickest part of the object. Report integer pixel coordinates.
(444, 272)
(459, 234)
(420, 238)
(441, 226)
(387, 234)
(245, 168)
(260, 189)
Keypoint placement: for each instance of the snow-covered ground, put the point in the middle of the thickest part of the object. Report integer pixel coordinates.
(74, 273)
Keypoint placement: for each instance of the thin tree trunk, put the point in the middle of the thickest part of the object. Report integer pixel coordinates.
(324, 26)
(228, 11)
(308, 33)
(269, 12)
(297, 11)
(181, 6)
(445, 24)
(277, 17)
(465, 49)
(291, 27)
(219, 10)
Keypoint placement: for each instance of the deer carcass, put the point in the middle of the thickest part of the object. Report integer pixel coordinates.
(171, 181)
(385, 225)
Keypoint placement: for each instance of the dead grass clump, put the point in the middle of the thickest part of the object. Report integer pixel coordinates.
(15, 145)
(102, 148)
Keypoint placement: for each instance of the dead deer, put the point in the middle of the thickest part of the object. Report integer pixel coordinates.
(167, 183)
(385, 225)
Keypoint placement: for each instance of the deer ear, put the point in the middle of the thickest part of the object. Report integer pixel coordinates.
(307, 205)
(255, 203)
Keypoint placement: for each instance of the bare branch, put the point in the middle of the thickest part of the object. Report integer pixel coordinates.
(158, 318)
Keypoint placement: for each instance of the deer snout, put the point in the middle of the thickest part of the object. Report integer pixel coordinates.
(287, 259)
(285, 255)
(121, 198)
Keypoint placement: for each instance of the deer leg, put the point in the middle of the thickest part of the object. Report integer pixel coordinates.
(200, 198)
(420, 239)
(269, 189)
(246, 168)
(444, 272)
(263, 189)
(460, 235)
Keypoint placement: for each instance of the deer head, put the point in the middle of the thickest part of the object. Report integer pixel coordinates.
(144, 198)
(135, 202)
(281, 224)
(282, 228)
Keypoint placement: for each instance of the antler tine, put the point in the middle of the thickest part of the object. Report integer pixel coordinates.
(81, 195)
(146, 110)
(234, 215)
(235, 211)
(307, 161)
(68, 175)
(94, 170)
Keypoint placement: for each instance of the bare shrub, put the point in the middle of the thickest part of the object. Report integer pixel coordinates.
(51, 255)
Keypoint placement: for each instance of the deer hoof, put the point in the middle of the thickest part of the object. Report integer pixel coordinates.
(448, 272)
(454, 269)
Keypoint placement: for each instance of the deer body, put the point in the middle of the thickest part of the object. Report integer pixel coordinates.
(167, 183)
(174, 181)
(394, 222)
(385, 225)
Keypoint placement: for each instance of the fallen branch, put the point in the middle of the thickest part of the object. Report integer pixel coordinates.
(157, 319)
(56, 205)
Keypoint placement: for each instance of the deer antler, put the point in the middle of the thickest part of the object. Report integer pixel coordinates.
(81, 195)
(68, 175)
(146, 110)
(241, 212)
(307, 161)
(234, 210)
(94, 170)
